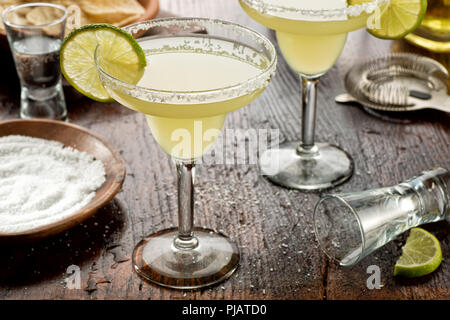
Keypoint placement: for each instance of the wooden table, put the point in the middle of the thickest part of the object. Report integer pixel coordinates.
(271, 225)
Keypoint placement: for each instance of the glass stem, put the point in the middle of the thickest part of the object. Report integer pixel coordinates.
(309, 102)
(185, 180)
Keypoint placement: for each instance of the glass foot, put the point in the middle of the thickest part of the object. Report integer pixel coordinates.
(322, 167)
(159, 260)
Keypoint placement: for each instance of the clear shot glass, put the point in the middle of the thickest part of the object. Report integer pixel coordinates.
(350, 226)
(35, 32)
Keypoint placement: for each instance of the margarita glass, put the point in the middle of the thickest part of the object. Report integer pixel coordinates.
(198, 70)
(311, 36)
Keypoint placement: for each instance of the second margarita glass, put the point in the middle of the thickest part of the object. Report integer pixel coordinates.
(311, 36)
(198, 70)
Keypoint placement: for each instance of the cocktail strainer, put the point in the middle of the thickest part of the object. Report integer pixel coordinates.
(398, 82)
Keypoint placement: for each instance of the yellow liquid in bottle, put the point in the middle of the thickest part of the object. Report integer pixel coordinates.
(434, 33)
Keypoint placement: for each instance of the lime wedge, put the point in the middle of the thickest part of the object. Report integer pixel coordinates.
(397, 18)
(121, 57)
(421, 255)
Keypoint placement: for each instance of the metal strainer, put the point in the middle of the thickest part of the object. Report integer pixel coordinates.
(398, 82)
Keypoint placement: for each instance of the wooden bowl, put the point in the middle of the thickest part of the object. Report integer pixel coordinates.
(151, 10)
(82, 140)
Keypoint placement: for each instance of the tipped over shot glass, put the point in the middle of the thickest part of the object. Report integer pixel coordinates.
(350, 226)
(35, 32)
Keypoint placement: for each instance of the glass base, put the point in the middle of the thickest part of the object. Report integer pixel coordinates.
(159, 260)
(45, 103)
(322, 167)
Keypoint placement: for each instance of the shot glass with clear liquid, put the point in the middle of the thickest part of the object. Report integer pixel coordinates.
(35, 32)
(350, 226)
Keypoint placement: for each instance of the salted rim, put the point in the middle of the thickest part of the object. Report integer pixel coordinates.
(353, 10)
(34, 4)
(203, 96)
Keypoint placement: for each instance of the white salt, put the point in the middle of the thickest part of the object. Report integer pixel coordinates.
(43, 181)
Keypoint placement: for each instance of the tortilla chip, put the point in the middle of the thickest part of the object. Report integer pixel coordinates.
(43, 15)
(19, 17)
(116, 12)
(111, 11)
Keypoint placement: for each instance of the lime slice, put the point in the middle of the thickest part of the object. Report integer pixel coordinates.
(397, 18)
(119, 55)
(421, 255)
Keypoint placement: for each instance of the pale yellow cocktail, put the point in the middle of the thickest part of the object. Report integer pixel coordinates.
(185, 129)
(311, 36)
(310, 44)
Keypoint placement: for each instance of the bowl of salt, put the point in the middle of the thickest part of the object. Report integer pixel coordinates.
(53, 176)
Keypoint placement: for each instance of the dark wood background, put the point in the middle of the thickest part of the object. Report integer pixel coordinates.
(271, 225)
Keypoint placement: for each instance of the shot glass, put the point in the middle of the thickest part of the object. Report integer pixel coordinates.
(350, 226)
(35, 32)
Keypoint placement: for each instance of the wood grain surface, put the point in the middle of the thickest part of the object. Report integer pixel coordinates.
(271, 225)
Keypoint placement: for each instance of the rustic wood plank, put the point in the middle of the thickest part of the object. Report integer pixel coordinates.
(272, 225)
